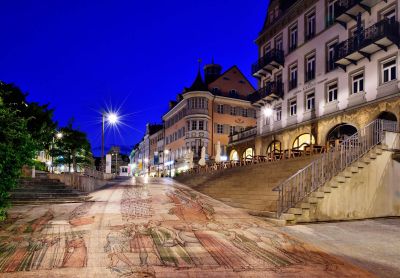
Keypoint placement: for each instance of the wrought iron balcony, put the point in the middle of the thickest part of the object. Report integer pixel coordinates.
(271, 91)
(273, 59)
(347, 10)
(366, 42)
(245, 134)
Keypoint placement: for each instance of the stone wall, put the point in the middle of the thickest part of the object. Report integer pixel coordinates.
(79, 182)
(373, 192)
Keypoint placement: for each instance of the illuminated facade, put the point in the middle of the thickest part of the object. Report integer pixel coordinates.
(207, 113)
(326, 69)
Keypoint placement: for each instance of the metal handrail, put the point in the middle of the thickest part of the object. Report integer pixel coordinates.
(317, 173)
(272, 88)
(243, 134)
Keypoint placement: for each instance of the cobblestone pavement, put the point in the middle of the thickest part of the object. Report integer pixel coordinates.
(371, 244)
(155, 228)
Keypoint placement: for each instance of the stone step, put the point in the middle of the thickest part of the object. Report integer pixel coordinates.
(360, 164)
(346, 174)
(260, 213)
(365, 160)
(340, 179)
(303, 205)
(275, 221)
(295, 211)
(353, 169)
(326, 189)
(318, 194)
(372, 155)
(287, 216)
(311, 200)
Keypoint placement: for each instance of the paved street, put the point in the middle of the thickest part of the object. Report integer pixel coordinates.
(155, 228)
(372, 244)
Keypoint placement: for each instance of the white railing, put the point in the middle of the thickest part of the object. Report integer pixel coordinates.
(317, 173)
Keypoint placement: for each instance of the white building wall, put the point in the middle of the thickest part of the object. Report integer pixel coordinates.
(318, 43)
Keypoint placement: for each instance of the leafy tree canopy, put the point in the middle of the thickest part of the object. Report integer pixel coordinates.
(39, 118)
(17, 148)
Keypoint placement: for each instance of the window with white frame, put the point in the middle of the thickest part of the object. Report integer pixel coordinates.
(278, 113)
(293, 37)
(330, 55)
(201, 125)
(233, 111)
(388, 69)
(310, 25)
(267, 48)
(244, 112)
(332, 6)
(357, 81)
(310, 67)
(279, 43)
(220, 129)
(332, 91)
(293, 76)
(220, 108)
(310, 101)
(231, 130)
(390, 15)
(292, 107)
(194, 125)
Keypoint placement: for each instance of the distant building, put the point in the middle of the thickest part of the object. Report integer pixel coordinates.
(206, 113)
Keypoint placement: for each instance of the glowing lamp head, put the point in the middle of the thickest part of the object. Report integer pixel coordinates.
(59, 135)
(166, 151)
(112, 118)
(267, 111)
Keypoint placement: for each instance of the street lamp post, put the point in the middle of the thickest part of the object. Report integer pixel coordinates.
(112, 119)
(59, 135)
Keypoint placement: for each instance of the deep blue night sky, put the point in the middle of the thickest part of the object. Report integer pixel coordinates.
(80, 56)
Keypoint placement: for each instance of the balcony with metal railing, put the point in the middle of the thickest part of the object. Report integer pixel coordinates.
(347, 10)
(271, 60)
(245, 134)
(271, 91)
(366, 42)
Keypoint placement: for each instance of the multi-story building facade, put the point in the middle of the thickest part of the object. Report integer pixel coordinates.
(156, 155)
(327, 68)
(205, 115)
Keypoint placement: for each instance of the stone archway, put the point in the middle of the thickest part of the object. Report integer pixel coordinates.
(274, 146)
(386, 115)
(339, 133)
(248, 153)
(234, 156)
(303, 140)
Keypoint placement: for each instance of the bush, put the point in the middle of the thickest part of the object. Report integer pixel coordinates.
(16, 150)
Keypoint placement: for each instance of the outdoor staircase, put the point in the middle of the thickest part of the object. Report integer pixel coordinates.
(302, 195)
(44, 190)
(248, 187)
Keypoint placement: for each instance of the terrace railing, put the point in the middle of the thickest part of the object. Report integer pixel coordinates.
(274, 55)
(329, 164)
(363, 38)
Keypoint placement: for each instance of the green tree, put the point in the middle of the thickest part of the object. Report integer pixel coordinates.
(39, 118)
(17, 148)
(73, 150)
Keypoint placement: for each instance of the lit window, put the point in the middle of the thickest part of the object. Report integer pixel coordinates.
(293, 107)
(332, 92)
(358, 82)
(389, 70)
(310, 101)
